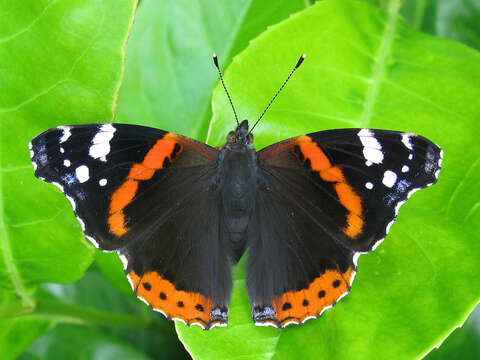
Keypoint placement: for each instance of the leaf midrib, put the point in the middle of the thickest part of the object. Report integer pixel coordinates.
(384, 52)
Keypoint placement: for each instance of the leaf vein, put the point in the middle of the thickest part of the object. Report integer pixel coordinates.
(29, 26)
(380, 63)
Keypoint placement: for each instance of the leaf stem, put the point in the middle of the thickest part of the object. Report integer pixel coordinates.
(67, 313)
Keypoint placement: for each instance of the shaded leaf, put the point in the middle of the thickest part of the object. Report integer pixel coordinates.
(454, 19)
(367, 68)
(462, 343)
(17, 333)
(112, 268)
(78, 342)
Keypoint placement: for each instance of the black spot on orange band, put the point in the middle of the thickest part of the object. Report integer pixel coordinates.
(190, 307)
(323, 292)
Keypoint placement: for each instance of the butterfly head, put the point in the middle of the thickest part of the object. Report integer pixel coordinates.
(240, 136)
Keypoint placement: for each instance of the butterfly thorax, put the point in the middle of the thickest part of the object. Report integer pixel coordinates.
(238, 167)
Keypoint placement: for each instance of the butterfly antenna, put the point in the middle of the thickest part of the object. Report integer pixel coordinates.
(299, 62)
(215, 60)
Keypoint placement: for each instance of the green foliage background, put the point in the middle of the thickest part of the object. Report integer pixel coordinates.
(369, 63)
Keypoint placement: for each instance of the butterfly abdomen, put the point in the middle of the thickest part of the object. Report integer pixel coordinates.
(238, 169)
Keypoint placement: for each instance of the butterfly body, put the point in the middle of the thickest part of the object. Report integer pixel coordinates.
(237, 179)
(180, 213)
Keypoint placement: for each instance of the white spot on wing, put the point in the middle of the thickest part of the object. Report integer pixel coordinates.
(66, 163)
(369, 185)
(389, 178)
(66, 133)
(410, 157)
(102, 182)
(62, 150)
(82, 173)
(30, 146)
(405, 168)
(32, 154)
(35, 166)
(372, 150)
(100, 147)
(406, 141)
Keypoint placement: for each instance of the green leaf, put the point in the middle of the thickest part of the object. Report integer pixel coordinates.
(367, 68)
(453, 19)
(462, 343)
(170, 74)
(112, 268)
(78, 342)
(17, 333)
(61, 62)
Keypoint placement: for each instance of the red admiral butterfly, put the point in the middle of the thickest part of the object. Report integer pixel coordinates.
(180, 213)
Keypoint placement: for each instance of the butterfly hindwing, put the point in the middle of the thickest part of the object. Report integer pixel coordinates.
(149, 195)
(327, 197)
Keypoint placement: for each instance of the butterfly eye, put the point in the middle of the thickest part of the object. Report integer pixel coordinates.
(231, 136)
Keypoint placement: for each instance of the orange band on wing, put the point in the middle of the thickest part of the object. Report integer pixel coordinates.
(125, 193)
(320, 163)
(323, 292)
(162, 295)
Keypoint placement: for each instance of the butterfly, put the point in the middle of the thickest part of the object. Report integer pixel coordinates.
(180, 213)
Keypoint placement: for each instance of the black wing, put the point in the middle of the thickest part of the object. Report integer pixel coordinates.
(149, 195)
(326, 198)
